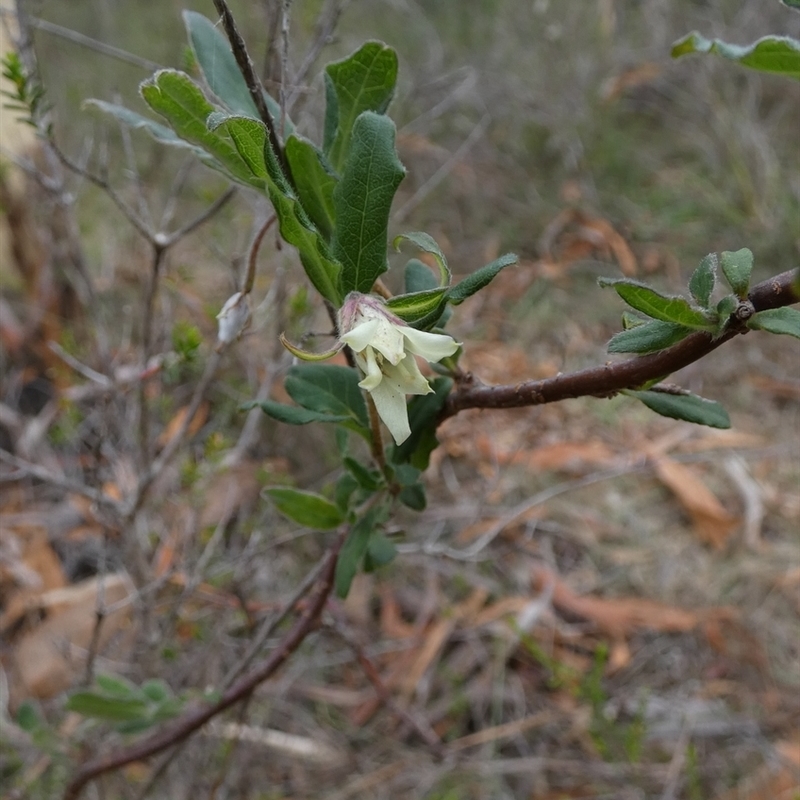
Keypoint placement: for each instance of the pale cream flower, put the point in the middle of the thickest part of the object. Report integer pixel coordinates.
(385, 348)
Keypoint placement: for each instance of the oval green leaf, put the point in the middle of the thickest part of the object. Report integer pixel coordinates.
(306, 508)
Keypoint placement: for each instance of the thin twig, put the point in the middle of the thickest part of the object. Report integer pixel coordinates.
(269, 626)
(172, 238)
(245, 64)
(46, 476)
(443, 171)
(252, 257)
(194, 718)
(422, 727)
(86, 41)
(326, 24)
(168, 453)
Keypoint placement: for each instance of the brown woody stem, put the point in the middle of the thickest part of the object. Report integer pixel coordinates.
(194, 718)
(610, 378)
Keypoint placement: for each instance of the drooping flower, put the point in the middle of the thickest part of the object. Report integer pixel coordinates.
(385, 348)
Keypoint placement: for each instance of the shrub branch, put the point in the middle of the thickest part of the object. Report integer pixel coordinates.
(194, 718)
(610, 378)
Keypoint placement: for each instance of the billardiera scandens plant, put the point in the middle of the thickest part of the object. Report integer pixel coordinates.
(385, 349)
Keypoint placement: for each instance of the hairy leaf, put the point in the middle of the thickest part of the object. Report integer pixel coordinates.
(419, 308)
(658, 306)
(363, 199)
(329, 389)
(314, 181)
(737, 267)
(427, 244)
(480, 278)
(688, 407)
(701, 284)
(648, 337)
(364, 81)
(777, 320)
(178, 99)
(306, 508)
(778, 54)
(292, 415)
(252, 144)
(353, 550)
(161, 133)
(221, 72)
(418, 277)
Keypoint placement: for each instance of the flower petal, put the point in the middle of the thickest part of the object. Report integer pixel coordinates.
(368, 364)
(388, 341)
(362, 335)
(431, 346)
(390, 403)
(407, 377)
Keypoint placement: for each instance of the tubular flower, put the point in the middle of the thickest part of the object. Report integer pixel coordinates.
(385, 348)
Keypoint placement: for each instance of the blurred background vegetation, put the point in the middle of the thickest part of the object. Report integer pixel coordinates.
(560, 131)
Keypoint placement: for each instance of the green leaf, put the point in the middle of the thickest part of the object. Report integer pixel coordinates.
(363, 199)
(631, 320)
(292, 415)
(221, 72)
(343, 490)
(353, 550)
(180, 101)
(413, 497)
(100, 706)
(161, 133)
(364, 81)
(793, 4)
(480, 278)
(314, 181)
(28, 716)
(115, 686)
(688, 407)
(419, 308)
(329, 389)
(777, 54)
(701, 284)
(423, 411)
(368, 479)
(777, 320)
(427, 244)
(658, 306)
(251, 141)
(725, 308)
(306, 508)
(418, 277)
(218, 65)
(648, 337)
(331, 123)
(737, 268)
(380, 551)
(157, 691)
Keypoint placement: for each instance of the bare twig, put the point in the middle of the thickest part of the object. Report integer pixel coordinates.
(193, 719)
(86, 41)
(421, 726)
(443, 171)
(326, 25)
(45, 475)
(168, 453)
(610, 378)
(245, 64)
(269, 626)
(170, 239)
